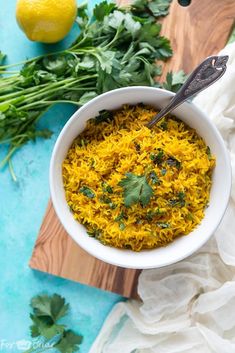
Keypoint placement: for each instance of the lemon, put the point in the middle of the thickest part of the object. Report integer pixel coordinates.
(46, 21)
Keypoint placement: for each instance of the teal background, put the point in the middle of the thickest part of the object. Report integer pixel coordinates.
(22, 206)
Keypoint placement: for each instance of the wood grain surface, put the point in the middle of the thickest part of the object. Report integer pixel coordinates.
(196, 31)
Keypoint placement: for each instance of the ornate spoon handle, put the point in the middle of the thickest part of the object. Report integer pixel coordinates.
(209, 71)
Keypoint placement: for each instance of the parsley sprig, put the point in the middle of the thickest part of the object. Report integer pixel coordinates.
(47, 311)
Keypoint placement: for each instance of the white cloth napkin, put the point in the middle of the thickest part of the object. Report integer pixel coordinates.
(188, 307)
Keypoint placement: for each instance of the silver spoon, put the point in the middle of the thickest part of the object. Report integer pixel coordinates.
(209, 71)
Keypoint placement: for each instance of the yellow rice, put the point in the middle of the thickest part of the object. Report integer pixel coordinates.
(105, 152)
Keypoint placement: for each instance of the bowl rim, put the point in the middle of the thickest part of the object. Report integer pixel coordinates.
(107, 258)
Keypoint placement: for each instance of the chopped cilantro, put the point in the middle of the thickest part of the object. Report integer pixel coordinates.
(122, 226)
(153, 213)
(150, 215)
(105, 199)
(87, 192)
(173, 162)
(92, 163)
(107, 188)
(163, 125)
(208, 152)
(120, 217)
(154, 178)
(163, 172)
(163, 225)
(179, 200)
(95, 233)
(157, 158)
(136, 190)
(104, 116)
(82, 142)
(112, 205)
(137, 147)
(190, 216)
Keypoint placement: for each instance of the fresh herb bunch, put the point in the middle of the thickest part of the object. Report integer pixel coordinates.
(46, 329)
(116, 47)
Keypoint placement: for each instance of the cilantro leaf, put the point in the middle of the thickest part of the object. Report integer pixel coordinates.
(122, 226)
(159, 7)
(154, 178)
(153, 8)
(55, 64)
(173, 162)
(94, 233)
(104, 116)
(82, 16)
(208, 152)
(174, 80)
(87, 192)
(69, 342)
(120, 217)
(103, 9)
(136, 190)
(179, 200)
(164, 50)
(54, 306)
(179, 77)
(43, 326)
(157, 158)
(107, 188)
(86, 97)
(163, 225)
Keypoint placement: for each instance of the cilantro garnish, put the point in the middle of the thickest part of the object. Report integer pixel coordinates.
(163, 225)
(122, 226)
(179, 200)
(154, 178)
(208, 152)
(105, 199)
(137, 147)
(157, 158)
(107, 188)
(163, 172)
(136, 190)
(47, 312)
(163, 125)
(95, 233)
(173, 162)
(104, 116)
(87, 192)
(120, 217)
(151, 214)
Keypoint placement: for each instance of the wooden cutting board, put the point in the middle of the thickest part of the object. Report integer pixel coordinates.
(196, 31)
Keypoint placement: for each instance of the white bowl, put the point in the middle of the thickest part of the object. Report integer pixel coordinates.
(181, 247)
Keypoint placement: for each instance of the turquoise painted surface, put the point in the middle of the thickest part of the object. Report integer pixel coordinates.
(22, 206)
